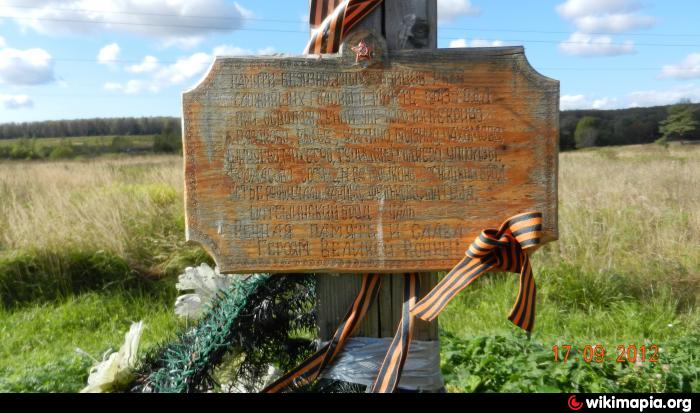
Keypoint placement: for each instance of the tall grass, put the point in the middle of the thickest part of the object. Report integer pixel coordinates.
(94, 204)
(78, 239)
(635, 210)
(626, 266)
(63, 222)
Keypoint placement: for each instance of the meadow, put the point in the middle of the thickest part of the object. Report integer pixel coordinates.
(84, 147)
(88, 246)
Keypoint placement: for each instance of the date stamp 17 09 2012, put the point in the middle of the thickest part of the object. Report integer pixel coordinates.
(598, 353)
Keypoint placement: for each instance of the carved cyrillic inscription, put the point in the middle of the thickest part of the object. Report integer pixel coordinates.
(305, 165)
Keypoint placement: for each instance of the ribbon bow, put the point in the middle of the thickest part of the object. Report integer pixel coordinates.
(493, 250)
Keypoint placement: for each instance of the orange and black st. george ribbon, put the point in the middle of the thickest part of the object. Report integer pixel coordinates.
(332, 20)
(504, 249)
(320, 9)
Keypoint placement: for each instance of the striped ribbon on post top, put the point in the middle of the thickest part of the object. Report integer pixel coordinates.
(504, 249)
(332, 20)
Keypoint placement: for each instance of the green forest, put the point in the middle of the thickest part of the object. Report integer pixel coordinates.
(88, 127)
(589, 128)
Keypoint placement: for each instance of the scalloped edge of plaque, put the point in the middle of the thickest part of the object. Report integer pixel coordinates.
(517, 51)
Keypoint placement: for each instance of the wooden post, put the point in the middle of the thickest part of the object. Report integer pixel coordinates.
(405, 24)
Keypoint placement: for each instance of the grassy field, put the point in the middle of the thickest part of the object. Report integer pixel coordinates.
(87, 247)
(143, 141)
(88, 146)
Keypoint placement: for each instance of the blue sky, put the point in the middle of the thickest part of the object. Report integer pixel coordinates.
(67, 59)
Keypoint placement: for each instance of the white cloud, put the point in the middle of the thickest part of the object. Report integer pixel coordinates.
(16, 101)
(616, 16)
(172, 22)
(602, 16)
(149, 64)
(605, 103)
(108, 54)
(26, 67)
(569, 102)
(578, 8)
(642, 98)
(183, 42)
(132, 87)
(184, 69)
(2, 41)
(572, 102)
(689, 68)
(596, 16)
(615, 23)
(137, 86)
(476, 43)
(266, 51)
(162, 76)
(665, 97)
(582, 44)
(451, 9)
(486, 43)
(113, 87)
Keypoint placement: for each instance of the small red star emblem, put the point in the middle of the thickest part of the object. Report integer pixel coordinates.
(363, 51)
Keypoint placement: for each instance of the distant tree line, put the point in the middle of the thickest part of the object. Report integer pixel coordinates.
(587, 128)
(90, 127)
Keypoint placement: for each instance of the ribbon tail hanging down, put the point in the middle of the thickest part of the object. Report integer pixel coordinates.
(390, 372)
(310, 369)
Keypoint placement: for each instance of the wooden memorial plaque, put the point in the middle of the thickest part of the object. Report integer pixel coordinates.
(308, 164)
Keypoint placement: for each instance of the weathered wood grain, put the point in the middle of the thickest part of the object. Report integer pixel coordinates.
(317, 165)
(411, 24)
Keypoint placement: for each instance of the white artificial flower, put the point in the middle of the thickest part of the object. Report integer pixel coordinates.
(203, 283)
(116, 369)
